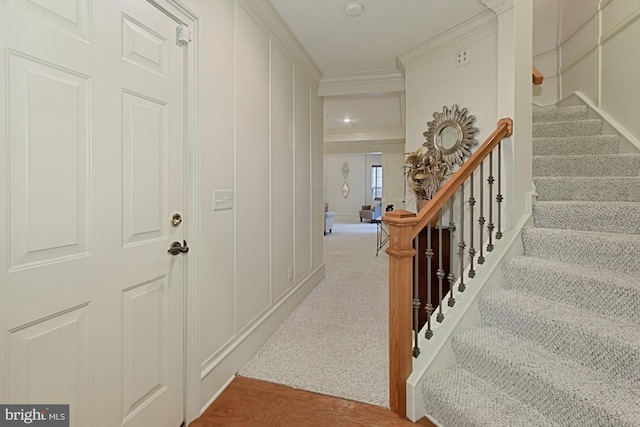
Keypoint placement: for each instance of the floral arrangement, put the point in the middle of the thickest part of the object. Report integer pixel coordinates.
(425, 173)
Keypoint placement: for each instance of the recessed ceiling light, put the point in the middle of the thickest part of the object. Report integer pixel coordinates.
(346, 120)
(353, 9)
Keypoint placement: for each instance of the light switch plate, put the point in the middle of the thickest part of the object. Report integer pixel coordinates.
(222, 200)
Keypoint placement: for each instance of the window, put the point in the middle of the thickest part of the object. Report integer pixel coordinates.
(376, 182)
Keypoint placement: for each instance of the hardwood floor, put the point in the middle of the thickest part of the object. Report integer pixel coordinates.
(249, 402)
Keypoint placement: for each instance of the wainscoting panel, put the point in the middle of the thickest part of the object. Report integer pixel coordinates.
(282, 225)
(302, 174)
(252, 171)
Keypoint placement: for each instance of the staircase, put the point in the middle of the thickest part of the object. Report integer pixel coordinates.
(559, 345)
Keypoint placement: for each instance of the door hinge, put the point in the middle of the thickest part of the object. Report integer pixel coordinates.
(183, 34)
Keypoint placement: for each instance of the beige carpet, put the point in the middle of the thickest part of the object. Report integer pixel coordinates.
(336, 340)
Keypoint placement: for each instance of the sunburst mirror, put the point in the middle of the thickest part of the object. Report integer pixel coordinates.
(450, 135)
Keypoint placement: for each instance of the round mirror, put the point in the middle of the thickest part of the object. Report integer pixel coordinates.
(450, 135)
(447, 138)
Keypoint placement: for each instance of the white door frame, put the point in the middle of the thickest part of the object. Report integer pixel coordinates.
(185, 16)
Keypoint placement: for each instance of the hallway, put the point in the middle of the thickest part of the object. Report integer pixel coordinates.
(336, 341)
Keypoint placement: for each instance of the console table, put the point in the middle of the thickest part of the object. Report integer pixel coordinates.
(382, 234)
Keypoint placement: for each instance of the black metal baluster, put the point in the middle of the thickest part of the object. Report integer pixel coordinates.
(472, 250)
(461, 244)
(428, 306)
(490, 181)
(440, 273)
(499, 197)
(451, 277)
(481, 219)
(416, 301)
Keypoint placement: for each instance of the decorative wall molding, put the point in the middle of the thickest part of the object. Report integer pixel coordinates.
(499, 6)
(474, 28)
(579, 57)
(269, 19)
(547, 62)
(624, 23)
(547, 49)
(362, 83)
(573, 31)
(381, 134)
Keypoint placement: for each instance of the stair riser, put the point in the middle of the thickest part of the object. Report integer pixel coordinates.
(450, 394)
(617, 165)
(594, 251)
(563, 146)
(556, 129)
(609, 219)
(601, 190)
(611, 295)
(528, 386)
(595, 351)
(560, 114)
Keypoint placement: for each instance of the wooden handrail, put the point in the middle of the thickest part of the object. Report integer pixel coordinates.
(404, 226)
(537, 76)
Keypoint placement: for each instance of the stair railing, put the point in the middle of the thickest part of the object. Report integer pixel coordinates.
(405, 226)
(536, 76)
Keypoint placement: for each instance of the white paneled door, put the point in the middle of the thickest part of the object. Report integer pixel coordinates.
(91, 171)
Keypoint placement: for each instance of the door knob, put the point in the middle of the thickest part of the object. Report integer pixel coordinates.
(177, 248)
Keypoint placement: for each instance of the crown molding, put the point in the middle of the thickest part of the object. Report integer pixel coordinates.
(381, 134)
(367, 83)
(474, 28)
(362, 147)
(266, 15)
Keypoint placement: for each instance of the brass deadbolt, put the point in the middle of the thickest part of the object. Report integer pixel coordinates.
(176, 219)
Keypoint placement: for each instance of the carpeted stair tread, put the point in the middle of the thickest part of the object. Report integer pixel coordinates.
(605, 251)
(456, 397)
(622, 189)
(567, 128)
(559, 387)
(596, 342)
(610, 217)
(587, 165)
(608, 293)
(570, 145)
(555, 114)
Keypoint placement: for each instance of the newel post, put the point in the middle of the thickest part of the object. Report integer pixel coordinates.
(401, 254)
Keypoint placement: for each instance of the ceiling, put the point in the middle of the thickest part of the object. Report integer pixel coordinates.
(364, 46)
(369, 43)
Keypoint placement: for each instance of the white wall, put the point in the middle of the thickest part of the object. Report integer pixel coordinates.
(356, 180)
(568, 42)
(601, 61)
(578, 47)
(546, 54)
(433, 80)
(261, 136)
(393, 180)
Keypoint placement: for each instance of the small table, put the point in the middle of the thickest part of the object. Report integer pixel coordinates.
(382, 234)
